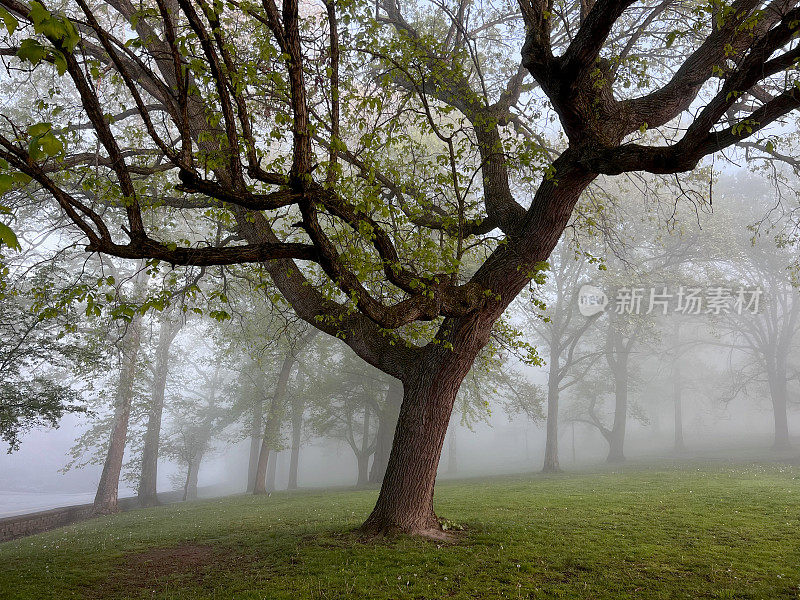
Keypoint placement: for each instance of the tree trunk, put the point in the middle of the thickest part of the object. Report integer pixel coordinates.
(387, 424)
(148, 481)
(297, 427)
(551, 444)
(260, 486)
(616, 439)
(677, 391)
(363, 469)
(190, 486)
(362, 456)
(105, 501)
(405, 502)
(452, 451)
(256, 433)
(272, 470)
(778, 394)
(274, 415)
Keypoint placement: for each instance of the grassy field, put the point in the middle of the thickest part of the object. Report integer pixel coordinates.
(707, 531)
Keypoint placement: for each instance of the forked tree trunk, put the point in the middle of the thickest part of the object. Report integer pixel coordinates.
(272, 426)
(551, 443)
(148, 481)
(256, 432)
(105, 501)
(405, 502)
(387, 424)
(297, 427)
(778, 394)
(275, 412)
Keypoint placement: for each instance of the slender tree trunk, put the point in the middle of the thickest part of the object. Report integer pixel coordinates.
(105, 501)
(260, 486)
(297, 427)
(677, 391)
(452, 451)
(362, 456)
(190, 486)
(274, 415)
(272, 426)
(551, 444)
(778, 393)
(363, 469)
(405, 502)
(387, 424)
(148, 480)
(616, 440)
(272, 471)
(256, 433)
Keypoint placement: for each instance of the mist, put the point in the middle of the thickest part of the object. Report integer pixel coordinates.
(714, 365)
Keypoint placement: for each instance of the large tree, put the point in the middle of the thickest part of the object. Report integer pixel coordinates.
(362, 151)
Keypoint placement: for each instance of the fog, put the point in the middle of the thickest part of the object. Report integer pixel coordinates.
(663, 331)
(716, 377)
(503, 444)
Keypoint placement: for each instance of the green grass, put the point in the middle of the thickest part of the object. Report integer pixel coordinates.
(717, 531)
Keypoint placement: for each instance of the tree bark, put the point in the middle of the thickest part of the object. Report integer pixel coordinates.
(272, 471)
(363, 469)
(778, 394)
(387, 423)
(405, 502)
(190, 486)
(256, 433)
(148, 481)
(362, 456)
(616, 439)
(275, 412)
(551, 444)
(297, 426)
(105, 501)
(272, 425)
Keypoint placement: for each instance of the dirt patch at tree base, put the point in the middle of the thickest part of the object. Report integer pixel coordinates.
(162, 569)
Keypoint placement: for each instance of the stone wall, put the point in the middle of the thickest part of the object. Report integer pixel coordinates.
(21, 525)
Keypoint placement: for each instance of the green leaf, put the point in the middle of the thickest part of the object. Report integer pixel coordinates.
(51, 144)
(6, 181)
(38, 14)
(60, 61)
(32, 51)
(35, 150)
(39, 129)
(71, 37)
(8, 19)
(8, 237)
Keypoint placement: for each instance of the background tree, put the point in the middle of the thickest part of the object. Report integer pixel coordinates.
(41, 348)
(560, 327)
